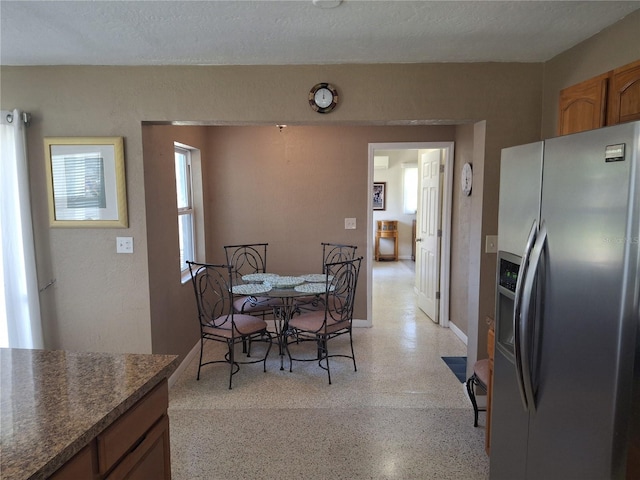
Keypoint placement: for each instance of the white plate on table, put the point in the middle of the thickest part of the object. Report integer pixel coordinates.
(258, 277)
(317, 277)
(314, 288)
(250, 289)
(284, 282)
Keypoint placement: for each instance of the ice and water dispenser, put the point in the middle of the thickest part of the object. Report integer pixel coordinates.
(509, 266)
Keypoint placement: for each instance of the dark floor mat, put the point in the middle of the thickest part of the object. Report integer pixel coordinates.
(458, 366)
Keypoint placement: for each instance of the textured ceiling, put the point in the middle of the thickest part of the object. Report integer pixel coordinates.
(243, 32)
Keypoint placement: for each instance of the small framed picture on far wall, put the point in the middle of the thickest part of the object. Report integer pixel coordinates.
(379, 195)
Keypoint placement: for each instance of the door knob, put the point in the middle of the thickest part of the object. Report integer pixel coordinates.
(418, 240)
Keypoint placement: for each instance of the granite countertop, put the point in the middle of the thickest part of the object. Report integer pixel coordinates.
(54, 402)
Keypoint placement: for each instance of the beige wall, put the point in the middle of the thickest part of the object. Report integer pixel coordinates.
(172, 307)
(294, 188)
(461, 219)
(613, 47)
(102, 301)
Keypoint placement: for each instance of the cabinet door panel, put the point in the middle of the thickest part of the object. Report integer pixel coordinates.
(624, 94)
(582, 106)
(82, 465)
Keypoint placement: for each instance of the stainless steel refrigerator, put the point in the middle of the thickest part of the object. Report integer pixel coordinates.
(566, 391)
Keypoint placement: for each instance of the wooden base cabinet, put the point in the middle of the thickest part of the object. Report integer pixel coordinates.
(134, 447)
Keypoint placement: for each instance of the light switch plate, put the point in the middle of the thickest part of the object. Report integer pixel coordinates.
(491, 245)
(124, 244)
(349, 223)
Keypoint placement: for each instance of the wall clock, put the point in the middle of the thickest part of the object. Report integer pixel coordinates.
(323, 97)
(467, 179)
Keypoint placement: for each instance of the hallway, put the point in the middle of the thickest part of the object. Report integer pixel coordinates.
(402, 415)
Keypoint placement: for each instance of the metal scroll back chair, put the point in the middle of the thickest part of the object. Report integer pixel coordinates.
(335, 320)
(246, 259)
(336, 252)
(331, 253)
(217, 319)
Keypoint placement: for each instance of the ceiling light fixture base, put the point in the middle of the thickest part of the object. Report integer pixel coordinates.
(326, 3)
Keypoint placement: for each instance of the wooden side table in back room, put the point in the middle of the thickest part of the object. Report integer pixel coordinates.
(387, 229)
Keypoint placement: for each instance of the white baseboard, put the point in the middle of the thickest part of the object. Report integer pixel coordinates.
(361, 323)
(459, 333)
(195, 351)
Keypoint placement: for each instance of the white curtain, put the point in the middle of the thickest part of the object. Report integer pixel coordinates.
(20, 325)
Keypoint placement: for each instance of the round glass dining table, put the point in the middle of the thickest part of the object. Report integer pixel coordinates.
(287, 289)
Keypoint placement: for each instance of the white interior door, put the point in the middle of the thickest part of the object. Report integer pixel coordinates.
(428, 234)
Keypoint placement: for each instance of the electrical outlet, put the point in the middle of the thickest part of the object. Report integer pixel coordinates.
(124, 244)
(349, 223)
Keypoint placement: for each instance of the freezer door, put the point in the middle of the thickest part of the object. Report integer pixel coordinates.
(585, 210)
(520, 183)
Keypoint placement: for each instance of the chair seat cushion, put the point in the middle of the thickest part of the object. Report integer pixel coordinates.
(314, 321)
(481, 369)
(255, 304)
(245, 325)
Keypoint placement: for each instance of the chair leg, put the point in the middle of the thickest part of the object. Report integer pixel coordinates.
(264, 362)
(471, 382)
(353, 355)
(285, 346)
(200, 362)
(231, 360)
(325, 350)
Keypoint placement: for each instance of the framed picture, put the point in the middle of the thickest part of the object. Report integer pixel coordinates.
(86, 182)
(379, 195)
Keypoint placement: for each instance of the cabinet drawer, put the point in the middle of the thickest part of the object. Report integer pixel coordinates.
(150, 459)
(129, 430)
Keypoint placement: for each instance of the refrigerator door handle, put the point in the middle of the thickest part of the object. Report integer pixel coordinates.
(517, 315)
(527, 325)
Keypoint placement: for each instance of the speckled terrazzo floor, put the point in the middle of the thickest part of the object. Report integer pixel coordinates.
(402, 415)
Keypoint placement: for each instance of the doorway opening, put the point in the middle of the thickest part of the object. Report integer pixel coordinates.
(433, 219)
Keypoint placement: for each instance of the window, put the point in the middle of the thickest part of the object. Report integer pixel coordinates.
(186, 220)
(410, 187)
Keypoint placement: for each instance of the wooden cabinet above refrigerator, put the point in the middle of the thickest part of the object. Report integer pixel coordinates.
(608, 99)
